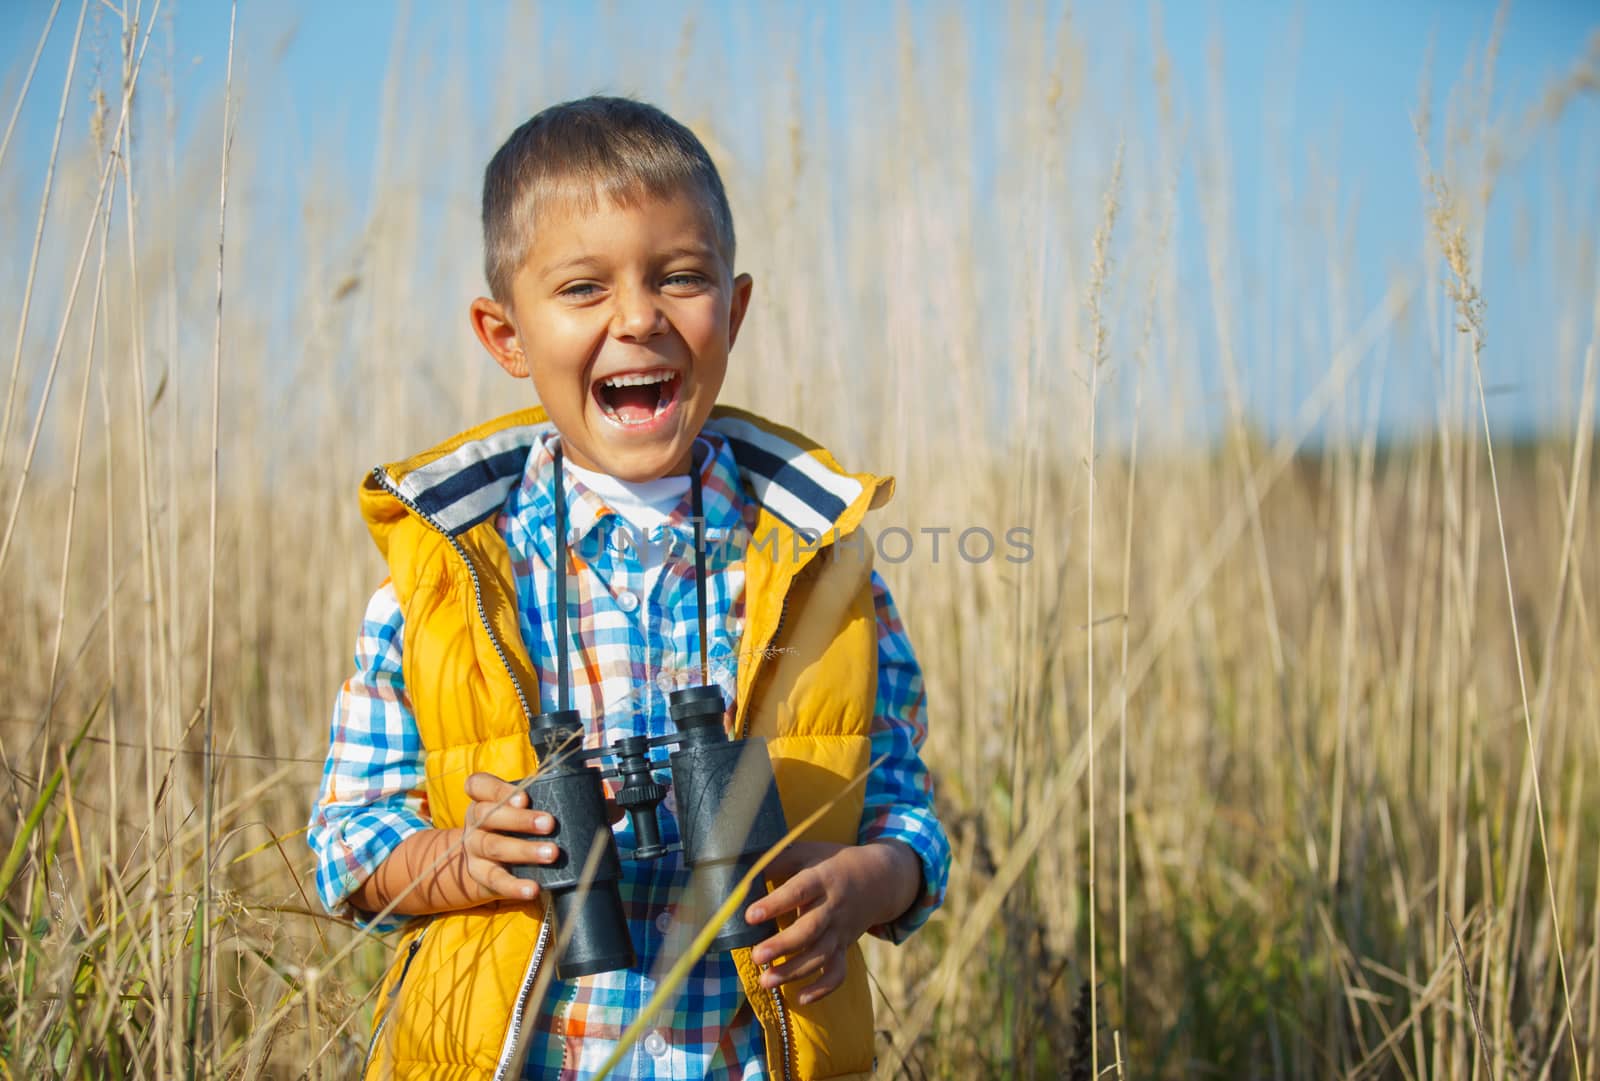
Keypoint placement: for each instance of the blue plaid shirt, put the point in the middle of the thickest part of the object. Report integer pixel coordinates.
(637, 644)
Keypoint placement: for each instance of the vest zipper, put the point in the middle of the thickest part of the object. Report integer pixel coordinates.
(508, 1051)
(783, 1032)
(394, 993)
(514, 1032)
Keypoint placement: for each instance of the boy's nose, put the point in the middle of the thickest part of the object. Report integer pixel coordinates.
(637, 316)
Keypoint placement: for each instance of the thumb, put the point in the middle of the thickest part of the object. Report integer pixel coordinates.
(788, 862)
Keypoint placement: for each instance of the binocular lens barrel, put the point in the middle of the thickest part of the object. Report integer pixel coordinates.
(715, 883)
(728, 809)
(697, 713)
(599, 939)
(596, 929)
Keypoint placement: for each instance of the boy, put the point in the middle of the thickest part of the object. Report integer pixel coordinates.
(609, 250)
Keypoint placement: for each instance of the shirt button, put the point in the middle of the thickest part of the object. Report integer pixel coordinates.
(656, 1044)
(627, 600)
(665, 682)
(664, 921)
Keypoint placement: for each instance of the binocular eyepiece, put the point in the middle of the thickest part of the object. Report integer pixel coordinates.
(728, 816)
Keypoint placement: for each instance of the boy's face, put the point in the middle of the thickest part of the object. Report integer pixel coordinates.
(623, 316)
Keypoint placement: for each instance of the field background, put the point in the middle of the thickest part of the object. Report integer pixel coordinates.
(1278, 759)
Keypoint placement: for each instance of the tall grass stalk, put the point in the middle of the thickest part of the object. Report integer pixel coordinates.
(1098, 358)
(27, 80)
(204, 949)
(1470, 310)
(38, 230)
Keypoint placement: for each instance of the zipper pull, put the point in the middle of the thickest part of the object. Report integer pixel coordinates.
(411, 955)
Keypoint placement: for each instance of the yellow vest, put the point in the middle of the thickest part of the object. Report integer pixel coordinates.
(455, 1003)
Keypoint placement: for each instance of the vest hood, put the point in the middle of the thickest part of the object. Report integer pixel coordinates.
(801, 488)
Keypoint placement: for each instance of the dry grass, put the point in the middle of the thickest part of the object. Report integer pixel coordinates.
(1225, 765)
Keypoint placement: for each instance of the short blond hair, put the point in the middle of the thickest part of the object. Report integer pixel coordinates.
(580, 152)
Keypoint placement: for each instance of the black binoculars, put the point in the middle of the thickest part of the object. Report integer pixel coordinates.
(728, 816)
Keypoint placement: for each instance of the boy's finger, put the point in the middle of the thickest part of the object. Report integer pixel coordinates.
(491, 789)
(802, 890)
(797, 857)
(511, 851)
(796, 939)
(799, 967)
(501, 881)
(513, 819)
(832, 976)
(783, 865)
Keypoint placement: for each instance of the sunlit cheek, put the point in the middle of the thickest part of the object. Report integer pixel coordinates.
(560, 359)
(706, 329)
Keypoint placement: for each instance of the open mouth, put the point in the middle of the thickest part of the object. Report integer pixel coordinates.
(637, 398)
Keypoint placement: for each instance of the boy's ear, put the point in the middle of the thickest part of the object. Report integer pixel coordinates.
(491, 322)
(739, 306)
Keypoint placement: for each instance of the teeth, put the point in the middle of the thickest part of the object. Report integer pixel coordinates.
(617, 418)
(643, 379)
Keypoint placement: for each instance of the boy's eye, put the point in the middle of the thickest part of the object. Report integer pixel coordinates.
(685, 278)
(579, 290)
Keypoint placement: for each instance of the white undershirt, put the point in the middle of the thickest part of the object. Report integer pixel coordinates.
(643, 505)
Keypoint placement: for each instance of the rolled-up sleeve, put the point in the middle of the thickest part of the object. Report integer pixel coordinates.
(373, 782)
(899, 790)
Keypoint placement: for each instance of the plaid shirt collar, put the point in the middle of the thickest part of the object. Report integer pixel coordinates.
(470, 479)
(727, 511)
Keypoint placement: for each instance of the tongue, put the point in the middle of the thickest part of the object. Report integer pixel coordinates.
(634, 404)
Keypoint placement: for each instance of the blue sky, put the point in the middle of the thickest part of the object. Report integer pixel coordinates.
(1310, 83)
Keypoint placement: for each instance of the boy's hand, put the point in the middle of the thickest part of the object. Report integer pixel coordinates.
(500, 808)
(840, 892)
